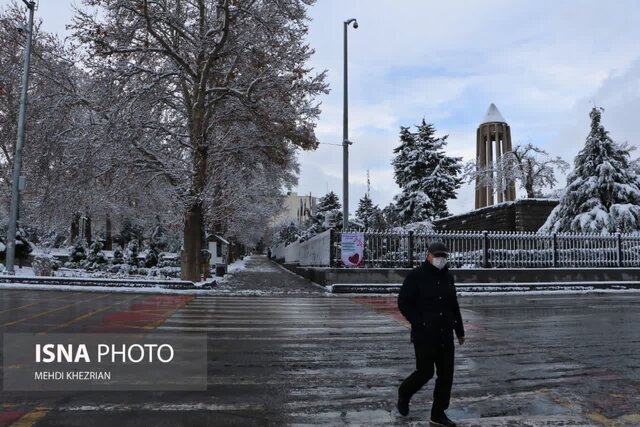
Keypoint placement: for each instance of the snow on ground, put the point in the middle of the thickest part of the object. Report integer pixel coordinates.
(24, 271)
(257, 276)
(498, 293)
(241, 265)
(50, 251)
(482, 289)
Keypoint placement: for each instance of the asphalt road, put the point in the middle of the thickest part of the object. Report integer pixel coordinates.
(280, 352)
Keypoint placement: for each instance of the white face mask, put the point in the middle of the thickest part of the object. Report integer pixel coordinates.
(439, 262)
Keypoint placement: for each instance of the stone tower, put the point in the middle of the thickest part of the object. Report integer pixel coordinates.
(493, 129)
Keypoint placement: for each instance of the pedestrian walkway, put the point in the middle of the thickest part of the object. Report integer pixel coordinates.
(258, 276)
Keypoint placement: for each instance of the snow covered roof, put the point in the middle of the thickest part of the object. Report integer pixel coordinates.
(222, 239)
(493, 115)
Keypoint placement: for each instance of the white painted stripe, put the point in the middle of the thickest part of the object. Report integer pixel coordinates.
(306, 330)
(164, 406)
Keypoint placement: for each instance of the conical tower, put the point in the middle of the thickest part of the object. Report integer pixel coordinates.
(493, 129)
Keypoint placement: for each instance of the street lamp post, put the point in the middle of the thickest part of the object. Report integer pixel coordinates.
(17, 159)
(345, 133)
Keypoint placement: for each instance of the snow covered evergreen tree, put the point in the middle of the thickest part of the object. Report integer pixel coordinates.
(391, 216)
(118, 256)
(151, 258)
(328, 204)
(286, 234)
(602, 193)
(426, 175)
(158, 241)
(365, 211)
(78, 252)
(131, 253)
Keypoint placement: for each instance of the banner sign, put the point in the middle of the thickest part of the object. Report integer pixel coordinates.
(46, 362)
(353, 249)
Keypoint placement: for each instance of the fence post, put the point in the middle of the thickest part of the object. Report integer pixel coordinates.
(485, 249)
(411, 248)
(619, 249)
(555, 250)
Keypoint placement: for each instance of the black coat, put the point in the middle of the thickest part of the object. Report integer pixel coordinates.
(428, 301)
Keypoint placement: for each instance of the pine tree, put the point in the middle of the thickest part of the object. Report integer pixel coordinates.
(118, 256)
(328, 204)
(602, 193)
(78, 252)
(151, 258)
(158, 240)
(365, 211)
(287, 234)
(426, 175)
(131, 253)
(391, 216)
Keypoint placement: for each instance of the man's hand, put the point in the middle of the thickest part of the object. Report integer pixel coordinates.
(461, 340)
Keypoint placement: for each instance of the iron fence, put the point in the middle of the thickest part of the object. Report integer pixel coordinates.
(474, 249)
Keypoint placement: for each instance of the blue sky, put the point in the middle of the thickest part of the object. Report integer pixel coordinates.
(544, 64)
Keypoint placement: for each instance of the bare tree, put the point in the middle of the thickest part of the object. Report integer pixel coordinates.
(527, 164)
(193, 75)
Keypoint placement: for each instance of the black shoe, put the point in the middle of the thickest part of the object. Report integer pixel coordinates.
(403, 406)
(442, 420)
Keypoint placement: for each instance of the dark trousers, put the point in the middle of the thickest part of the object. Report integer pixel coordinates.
(428, 355)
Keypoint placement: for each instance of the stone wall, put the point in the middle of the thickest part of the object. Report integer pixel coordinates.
(520, 215)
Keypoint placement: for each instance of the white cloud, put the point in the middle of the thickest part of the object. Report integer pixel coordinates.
(542, 63)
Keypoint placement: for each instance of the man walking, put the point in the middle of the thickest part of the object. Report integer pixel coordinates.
(428, 300)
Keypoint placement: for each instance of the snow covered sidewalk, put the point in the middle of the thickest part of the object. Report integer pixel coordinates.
(253, 275)
(257, 276)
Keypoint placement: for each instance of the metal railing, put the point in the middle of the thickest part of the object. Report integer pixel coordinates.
(474, 249)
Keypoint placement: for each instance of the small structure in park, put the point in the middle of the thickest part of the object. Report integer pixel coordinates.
(219, 252)
(493, 129)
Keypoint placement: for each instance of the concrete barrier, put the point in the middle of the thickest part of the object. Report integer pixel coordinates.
(329, 276)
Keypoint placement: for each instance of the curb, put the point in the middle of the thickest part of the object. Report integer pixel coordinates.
(470, 288)
(42, 282)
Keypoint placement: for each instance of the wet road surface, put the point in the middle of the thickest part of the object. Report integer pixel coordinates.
(282, 353)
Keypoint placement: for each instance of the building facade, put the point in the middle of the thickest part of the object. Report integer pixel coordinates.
(296, 209)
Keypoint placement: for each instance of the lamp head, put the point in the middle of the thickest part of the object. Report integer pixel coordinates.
(349, 21)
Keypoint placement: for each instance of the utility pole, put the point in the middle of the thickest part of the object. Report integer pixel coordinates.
(345, 133)
(17, 159)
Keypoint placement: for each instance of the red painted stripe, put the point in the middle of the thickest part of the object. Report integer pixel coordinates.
(390, 305)
(385, 305)
(149, 311)
(7, 417)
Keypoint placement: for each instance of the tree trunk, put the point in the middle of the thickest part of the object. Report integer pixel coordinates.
(191, 267)
(109, 238)
(528, 186)
(190, 263)
(87, 229)
(75, 228)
